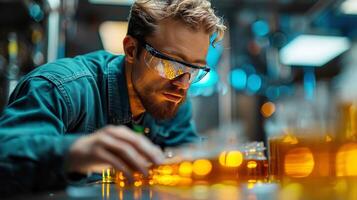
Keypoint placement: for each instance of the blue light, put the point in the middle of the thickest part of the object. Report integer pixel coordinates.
(309, 84)
(214, 52)
(254, 83)
(238, 79)
(207, 81)
(272, 93)
(36, 12)
(206, 86)
(260, 28)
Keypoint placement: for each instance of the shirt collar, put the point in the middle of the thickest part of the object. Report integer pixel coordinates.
(118, 98)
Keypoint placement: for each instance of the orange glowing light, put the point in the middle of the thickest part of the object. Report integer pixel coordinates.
(121, 184)
(346, 160)
(250, 185)
(121, 176)
(138, 183)
(231, 158)
(268, 109)
(103, 189)
(166, 180)
(252, 164)
(290, 139)
(299, 162)
(165, 170)
(185, 181)
(185, 169)
(202, 167)
(108, 175)
(121, 195)
(151, 182)
(328, 138)
(108, 192)
(175, 179)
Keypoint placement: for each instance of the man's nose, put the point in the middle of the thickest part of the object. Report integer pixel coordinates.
(182, 81)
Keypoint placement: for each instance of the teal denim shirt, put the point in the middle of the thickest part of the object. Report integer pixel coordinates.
(58, 102)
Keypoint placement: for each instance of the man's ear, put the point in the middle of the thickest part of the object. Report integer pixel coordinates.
(130, 45)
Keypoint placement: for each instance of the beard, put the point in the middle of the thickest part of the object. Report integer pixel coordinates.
(159, 108)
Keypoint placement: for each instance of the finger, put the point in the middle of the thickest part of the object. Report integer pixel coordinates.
(117, 163)
(127, 153)
(141, 143)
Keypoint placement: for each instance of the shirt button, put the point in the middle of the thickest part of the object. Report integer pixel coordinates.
(146, 130)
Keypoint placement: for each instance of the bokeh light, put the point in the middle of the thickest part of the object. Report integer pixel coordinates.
(185, 168)
(267, 109)
(254, 83)
(165, 170)
(138, 183)
(346, 160)
(260, 28)
(238, 79)
(299, 162)
(202, 167)
(231, 158)
(252, 164)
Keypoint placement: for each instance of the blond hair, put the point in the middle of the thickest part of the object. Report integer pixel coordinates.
(145, 15)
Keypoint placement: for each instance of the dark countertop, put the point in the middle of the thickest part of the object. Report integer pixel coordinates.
(299, 189)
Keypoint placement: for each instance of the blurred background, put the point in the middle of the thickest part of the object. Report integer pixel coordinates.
(276, 56)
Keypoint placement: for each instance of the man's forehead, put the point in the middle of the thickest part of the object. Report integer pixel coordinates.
(176, 38)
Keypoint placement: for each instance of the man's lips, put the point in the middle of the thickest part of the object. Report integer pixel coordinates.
(173, 96)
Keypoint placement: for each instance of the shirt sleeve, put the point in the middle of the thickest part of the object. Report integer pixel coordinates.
(33, 143)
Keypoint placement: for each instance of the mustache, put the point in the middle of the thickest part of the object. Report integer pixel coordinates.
(175, 90)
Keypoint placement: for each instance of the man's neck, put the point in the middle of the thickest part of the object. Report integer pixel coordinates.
(136, 107)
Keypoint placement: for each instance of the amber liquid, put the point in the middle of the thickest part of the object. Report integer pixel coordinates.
(249, 169)
(301, 157)
(203, 171)
(347, 125)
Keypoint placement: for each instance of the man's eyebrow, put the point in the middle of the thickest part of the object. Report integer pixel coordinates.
(183, 57)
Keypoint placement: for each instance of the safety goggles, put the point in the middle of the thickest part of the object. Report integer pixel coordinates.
(171, 68)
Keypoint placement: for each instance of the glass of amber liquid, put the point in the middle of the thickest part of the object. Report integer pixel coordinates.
(302, 147)
(301, 156)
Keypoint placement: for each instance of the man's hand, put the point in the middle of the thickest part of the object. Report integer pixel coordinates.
(113, 146)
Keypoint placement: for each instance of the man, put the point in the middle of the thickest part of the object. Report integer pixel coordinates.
(73, 115)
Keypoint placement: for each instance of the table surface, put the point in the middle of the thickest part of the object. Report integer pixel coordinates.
(327, 189)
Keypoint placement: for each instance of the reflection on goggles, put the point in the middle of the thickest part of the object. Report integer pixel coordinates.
(170, 70)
